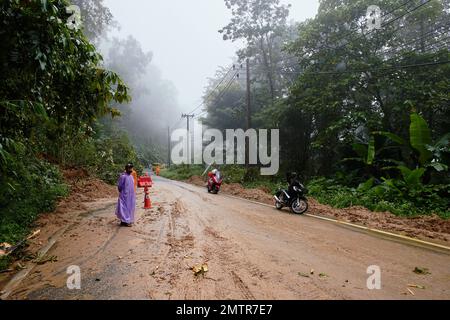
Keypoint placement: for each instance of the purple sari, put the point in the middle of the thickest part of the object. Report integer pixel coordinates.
(126, 205)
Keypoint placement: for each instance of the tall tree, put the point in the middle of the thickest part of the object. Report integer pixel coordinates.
(260, 23)
(96, 17)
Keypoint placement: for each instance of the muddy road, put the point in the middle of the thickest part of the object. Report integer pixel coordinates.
(252, 252)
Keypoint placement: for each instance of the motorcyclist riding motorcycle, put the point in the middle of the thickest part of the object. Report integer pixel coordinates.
(293, 181)
(294, 196)
(214, 181)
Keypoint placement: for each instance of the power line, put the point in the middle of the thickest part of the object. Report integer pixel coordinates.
(425, 37)
(355, 29)
(381, 69)
(175, 124)
(372, 31)
(223, 91)
(233, 67)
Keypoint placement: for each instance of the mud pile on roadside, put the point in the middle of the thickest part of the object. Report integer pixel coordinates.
(84, 188)
(196, 180)
(426, 227)
(86, 193)
(236, 189)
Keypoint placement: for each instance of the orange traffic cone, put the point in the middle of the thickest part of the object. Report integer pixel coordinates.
(147, 200)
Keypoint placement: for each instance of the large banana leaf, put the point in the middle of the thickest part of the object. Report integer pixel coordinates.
(443, 142)
(420, 137)
(371, 150)
(391, 136)
(412, 177)
(365, 151)
(360, 149)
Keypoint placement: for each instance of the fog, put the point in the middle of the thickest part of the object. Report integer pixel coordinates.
(167, 52)
(183, 37)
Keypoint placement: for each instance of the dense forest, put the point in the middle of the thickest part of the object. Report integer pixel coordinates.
(363, 113)
(65, 101)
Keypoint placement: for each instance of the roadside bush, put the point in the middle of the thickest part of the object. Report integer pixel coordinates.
(28, 186)
(182, 172)
(423, 200)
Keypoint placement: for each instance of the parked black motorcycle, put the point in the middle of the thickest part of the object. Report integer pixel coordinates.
(293, 198)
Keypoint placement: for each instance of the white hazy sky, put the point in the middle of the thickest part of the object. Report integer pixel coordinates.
(183, 36)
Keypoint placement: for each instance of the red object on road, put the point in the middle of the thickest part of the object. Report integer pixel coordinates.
(145, 181)
(147, 200)
(214, 182)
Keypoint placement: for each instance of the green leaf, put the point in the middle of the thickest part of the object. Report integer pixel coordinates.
(420, 136)
(391, 136)
(415, 176)
(360, 149)
(439, 167)
(366, 186)
(371, 150)
(443, 142)
(412, 177)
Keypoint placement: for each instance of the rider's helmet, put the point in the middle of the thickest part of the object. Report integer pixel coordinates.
(290, 176)
(214, 171)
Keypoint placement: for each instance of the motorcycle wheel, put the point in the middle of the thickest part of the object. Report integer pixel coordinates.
(278, 205)
(215, 191)
(299, 206)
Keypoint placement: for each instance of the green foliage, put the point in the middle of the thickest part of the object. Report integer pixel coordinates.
(420, 137)
(393, 196)
(54, 89)
(52, 75)
(182, 172)
(28, 186)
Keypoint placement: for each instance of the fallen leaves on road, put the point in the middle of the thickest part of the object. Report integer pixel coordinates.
(410, 291)
(422, 271)
(19, 267)
(303, 275)
(416, 286)
(4, 248)
(200, 269)
(44, 259)
(34, 234)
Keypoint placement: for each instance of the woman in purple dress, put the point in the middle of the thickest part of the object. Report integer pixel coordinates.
(126, 205)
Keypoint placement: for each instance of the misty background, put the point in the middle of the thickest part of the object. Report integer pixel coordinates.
(167, 52)
(184, 39)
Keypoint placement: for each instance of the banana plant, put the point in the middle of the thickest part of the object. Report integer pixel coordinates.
(438, 150)
(366, 152)
(430, 155)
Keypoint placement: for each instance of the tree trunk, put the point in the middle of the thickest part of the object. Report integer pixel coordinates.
(268, 70)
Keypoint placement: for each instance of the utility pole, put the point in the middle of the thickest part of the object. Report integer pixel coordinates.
(168, 145)
(249, 113)
(188, 116)
(249, 110)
